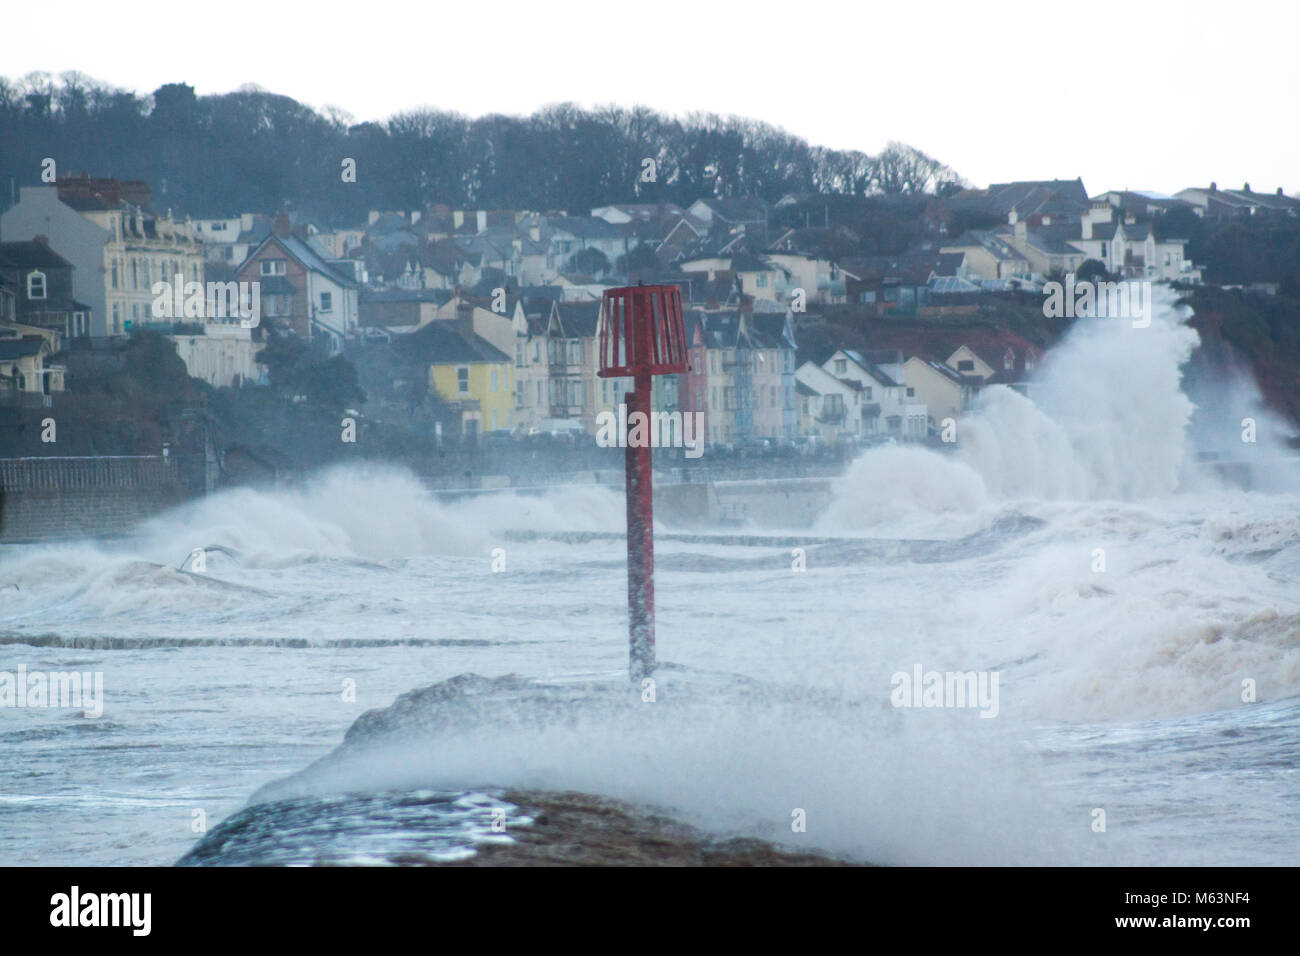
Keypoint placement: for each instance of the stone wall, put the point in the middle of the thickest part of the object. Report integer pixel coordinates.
(59, 498)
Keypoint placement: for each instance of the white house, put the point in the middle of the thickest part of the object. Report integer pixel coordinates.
(884, 406)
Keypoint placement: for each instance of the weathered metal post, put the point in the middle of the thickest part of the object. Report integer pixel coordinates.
(642, 334)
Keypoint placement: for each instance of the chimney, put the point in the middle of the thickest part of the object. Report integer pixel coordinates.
(415, 216)
(1214, 187)
(465, 321)
(1245, 187)
(1279, 190)
(281, 227)
(43, 240)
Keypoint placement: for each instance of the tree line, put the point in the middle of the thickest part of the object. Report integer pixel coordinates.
(217, 155)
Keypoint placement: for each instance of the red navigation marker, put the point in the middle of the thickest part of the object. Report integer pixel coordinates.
(642, 334)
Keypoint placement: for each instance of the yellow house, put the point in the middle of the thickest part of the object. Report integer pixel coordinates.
(467, 372)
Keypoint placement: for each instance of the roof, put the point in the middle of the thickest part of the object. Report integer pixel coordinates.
(738, 209)
(748, 262)
(987, 240)
(871, 369)
(21, 348)
(312, 259)
(1041, 197)
(30, 254)
(437, 296)
(948, 263)
(1054, 240)
(441, 343)
(578, 319)
(1277, 200)
(584, 227)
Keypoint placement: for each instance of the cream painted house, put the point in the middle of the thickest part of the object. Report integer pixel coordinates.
(945, 392)
(825, 403)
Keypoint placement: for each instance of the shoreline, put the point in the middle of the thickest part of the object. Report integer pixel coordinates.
(578, 829)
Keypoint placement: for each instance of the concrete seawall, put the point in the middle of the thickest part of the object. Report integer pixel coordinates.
(790, 503)
(43, 499)
(763, 503)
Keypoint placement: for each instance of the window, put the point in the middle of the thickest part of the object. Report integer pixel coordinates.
(272, 267)
(494, 383)
(540, 397)
(519, 355)
(966, 365)
(841, 366)
(462, 380)
(911, 393)
(117, 318)
(326, 302)
(36, 285)
(114, 273)
(868, 392)
(762, 280)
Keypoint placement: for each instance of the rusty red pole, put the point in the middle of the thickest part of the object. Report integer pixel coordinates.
(640, 543)
(642, 334)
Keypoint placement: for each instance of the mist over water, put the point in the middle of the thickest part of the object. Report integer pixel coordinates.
(1120, 687)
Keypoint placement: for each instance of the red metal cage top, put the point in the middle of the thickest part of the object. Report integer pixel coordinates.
(642, 331)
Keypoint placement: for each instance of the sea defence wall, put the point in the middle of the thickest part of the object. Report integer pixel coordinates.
(787, 503)
(45, 499)
(762, 503)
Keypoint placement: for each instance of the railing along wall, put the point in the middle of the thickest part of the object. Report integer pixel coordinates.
(86, 474)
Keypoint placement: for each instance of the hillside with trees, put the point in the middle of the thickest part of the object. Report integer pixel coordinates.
(218, 155)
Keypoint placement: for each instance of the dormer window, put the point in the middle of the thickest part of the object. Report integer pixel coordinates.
(36, 285)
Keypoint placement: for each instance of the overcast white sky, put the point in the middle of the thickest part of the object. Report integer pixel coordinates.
(1141, 94)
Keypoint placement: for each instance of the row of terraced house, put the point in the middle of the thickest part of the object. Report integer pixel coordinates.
(500, 309)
